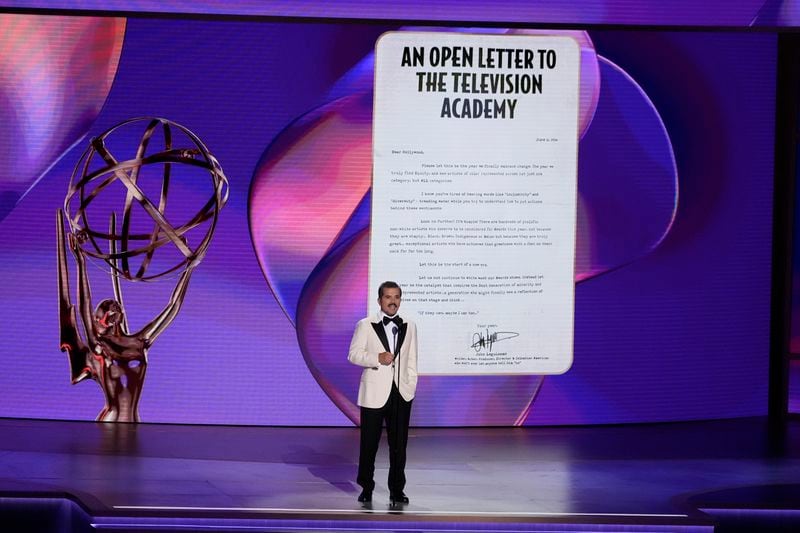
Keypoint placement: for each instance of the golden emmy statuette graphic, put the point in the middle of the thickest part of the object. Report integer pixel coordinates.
(130, 170)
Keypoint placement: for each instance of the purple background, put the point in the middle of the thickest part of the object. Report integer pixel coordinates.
(713, 13)
(681, 333)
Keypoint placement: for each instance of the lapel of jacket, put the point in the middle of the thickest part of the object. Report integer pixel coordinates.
(381, 332)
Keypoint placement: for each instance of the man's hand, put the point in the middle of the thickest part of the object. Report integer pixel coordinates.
(385, 358)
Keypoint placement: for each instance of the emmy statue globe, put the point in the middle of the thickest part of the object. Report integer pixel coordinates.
(122, 182)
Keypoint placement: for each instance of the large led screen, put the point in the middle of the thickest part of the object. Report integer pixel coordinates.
(672, 253)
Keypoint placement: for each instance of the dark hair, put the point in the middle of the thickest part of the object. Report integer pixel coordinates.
(389, 285)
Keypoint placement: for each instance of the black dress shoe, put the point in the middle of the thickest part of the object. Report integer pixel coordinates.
(399, 497)
(365, 496)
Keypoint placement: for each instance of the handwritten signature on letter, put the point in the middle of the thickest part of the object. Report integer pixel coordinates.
(481, 340)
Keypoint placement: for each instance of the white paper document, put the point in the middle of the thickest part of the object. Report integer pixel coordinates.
(474, 196)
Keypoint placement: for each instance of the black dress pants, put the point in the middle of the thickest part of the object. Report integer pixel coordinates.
(397, 413)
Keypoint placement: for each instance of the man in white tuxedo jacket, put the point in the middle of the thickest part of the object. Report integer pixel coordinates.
(386, 347)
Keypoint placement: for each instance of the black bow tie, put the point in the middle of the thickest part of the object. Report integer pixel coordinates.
(396, 319)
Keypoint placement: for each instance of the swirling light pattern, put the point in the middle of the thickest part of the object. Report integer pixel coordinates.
(55, 75)
(309, 220)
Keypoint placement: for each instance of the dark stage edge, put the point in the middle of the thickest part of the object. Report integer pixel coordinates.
(695, 476)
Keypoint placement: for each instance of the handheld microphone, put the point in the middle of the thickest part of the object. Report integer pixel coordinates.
(394, 339)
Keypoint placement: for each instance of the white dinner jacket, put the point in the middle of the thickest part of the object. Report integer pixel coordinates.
(369, 340)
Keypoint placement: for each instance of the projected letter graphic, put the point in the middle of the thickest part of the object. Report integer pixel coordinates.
(474, 196)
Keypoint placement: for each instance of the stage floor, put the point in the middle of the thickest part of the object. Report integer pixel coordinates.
(658, 476)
